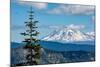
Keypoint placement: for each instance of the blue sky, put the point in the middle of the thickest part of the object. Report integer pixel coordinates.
(50, 15)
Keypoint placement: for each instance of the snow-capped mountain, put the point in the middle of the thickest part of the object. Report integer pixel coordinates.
(68, 34)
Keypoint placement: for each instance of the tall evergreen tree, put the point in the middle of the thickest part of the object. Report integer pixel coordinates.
(32, 43)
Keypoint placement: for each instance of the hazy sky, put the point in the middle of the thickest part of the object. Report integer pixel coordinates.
(50, 17)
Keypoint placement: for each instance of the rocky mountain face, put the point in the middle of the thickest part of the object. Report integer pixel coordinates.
(51, 56)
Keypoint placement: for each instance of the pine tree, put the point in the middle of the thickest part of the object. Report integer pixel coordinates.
(32, 43)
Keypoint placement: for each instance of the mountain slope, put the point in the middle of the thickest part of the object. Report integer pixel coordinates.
(49, 56)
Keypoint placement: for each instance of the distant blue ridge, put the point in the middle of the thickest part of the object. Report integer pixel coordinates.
(57, 46)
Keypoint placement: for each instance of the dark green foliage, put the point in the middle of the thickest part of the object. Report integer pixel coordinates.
(32, 43)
